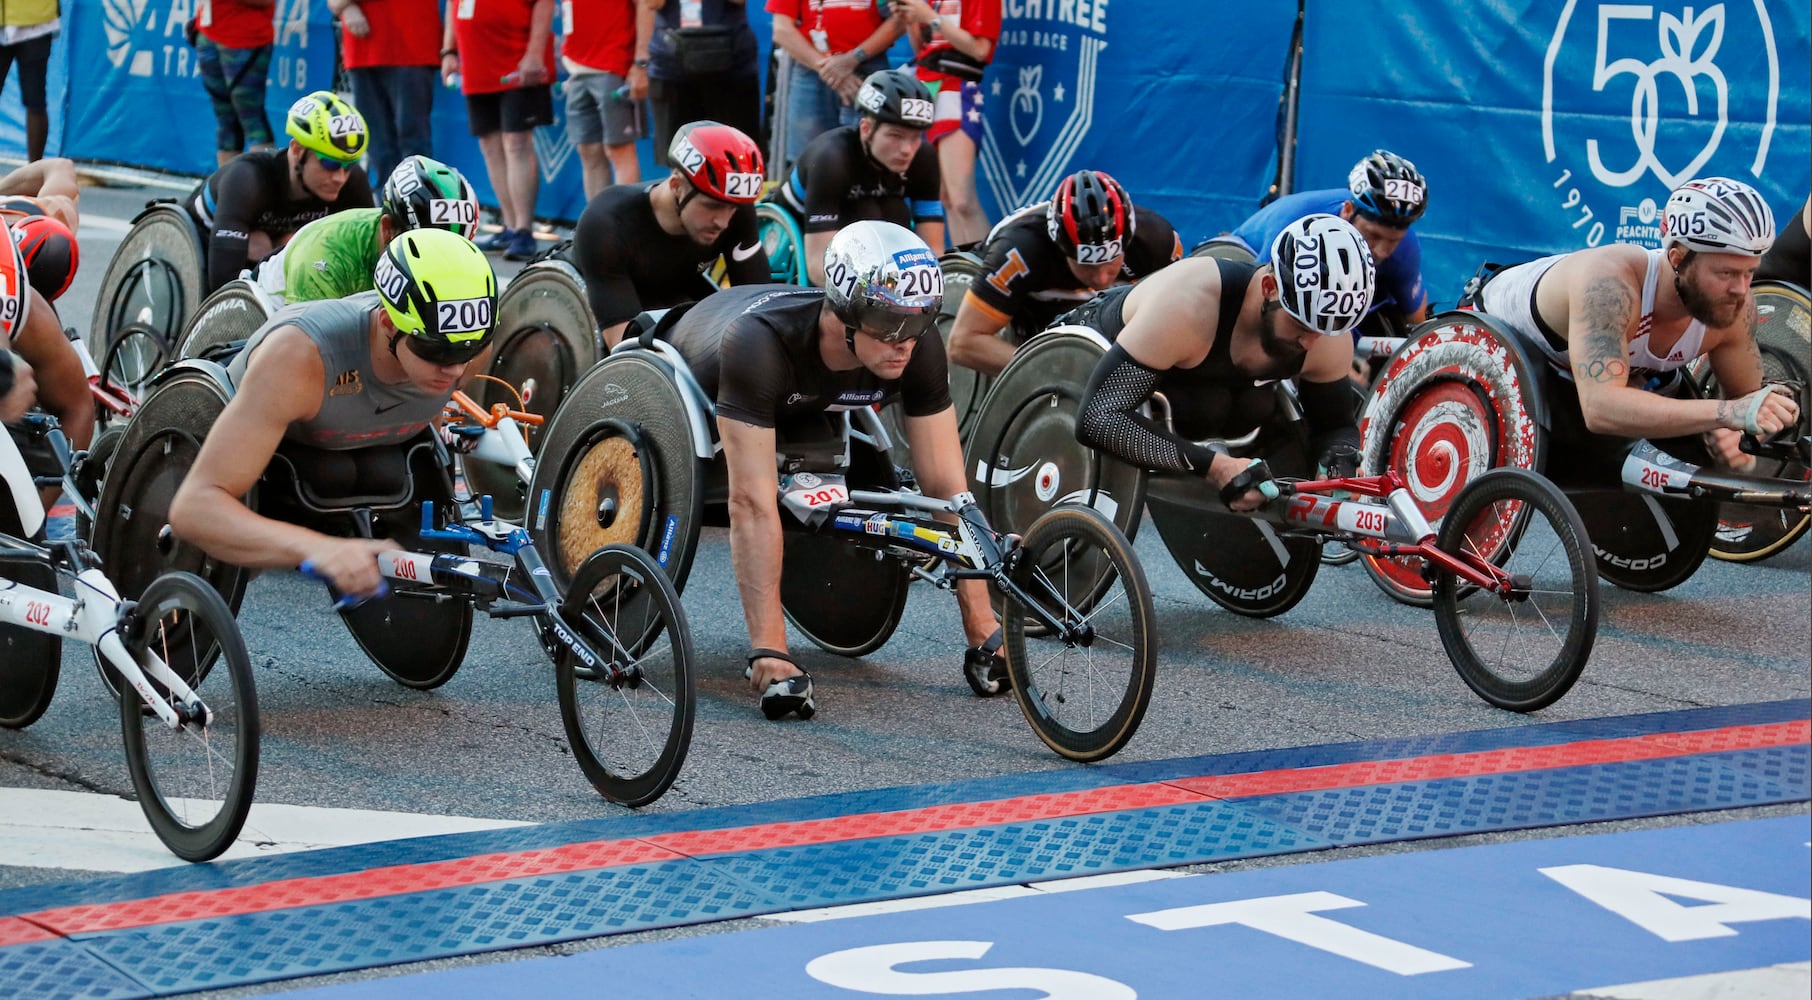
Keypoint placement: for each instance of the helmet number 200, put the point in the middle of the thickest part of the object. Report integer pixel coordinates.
(463, 315)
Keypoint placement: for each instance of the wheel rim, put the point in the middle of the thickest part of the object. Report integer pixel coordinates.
(604, 500)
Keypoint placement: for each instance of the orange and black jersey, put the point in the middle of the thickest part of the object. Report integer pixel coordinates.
(1026, 279)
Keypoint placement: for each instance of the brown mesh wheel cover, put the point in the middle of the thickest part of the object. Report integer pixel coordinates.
(608, 462)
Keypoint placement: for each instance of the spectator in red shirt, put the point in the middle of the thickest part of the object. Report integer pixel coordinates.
(389, 47)
(955, 41)
(503, 53)
(606, 55)
(834, 45)
(233, 51)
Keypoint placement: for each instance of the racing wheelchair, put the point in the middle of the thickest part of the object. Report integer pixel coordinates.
(961, 268)
(631, 457)
(1515, 592)
(1464, 396)
(173, 656)
(151, 288)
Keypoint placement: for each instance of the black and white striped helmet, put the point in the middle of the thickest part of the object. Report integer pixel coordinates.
(1718, 215)
(1325, 274)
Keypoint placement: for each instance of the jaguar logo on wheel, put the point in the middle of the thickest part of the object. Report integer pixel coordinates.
(1638, 98)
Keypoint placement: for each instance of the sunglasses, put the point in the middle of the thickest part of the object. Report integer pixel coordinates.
(332, 165)
(441, 354)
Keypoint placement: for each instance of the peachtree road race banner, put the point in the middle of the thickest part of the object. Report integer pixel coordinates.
(1178, 104)
(1551, 125)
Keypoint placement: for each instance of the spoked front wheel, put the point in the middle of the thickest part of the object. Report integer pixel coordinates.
(629, 714)
(1521, 651)
(195, 783)
(1084, 689)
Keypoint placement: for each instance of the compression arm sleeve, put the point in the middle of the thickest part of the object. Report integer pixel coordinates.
(1328, 406)
(238, 201)
(1109, 422)
(608, 287)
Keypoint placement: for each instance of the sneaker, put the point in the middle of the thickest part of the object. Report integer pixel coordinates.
(522, 247)
(792, 695)
(986, 670)
(499, 240)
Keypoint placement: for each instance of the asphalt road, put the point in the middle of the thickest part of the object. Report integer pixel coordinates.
(1345, 664)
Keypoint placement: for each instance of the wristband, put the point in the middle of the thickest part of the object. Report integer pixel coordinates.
(639, 64)
(444, 53)
(1754, 410)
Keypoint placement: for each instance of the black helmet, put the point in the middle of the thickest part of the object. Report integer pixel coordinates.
(895, 97)
(1386, 187)
(427, 194)
(1090, 210)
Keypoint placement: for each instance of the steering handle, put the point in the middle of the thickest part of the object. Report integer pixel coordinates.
(498, 412)
(344, 601)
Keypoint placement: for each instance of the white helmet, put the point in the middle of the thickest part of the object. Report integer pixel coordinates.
(1718, 215)
(884, 278)
(1325, 274)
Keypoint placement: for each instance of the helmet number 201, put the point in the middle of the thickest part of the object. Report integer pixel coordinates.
(921, 281)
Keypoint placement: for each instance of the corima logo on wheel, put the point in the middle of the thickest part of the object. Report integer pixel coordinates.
(1045, 72)
(1639, 98)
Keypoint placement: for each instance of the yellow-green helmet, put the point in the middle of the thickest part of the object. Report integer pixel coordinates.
(327, 125)
(439, 289)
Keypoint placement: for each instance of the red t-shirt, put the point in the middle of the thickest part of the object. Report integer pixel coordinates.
(980, 18)
(403, 33)
(845, 23)
(492, 36)
(236, 25)
(600, 34)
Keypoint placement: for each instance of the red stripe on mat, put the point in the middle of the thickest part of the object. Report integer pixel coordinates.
(14, 930)
(401, 879)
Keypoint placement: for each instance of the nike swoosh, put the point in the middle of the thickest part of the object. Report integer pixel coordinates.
(744, 253)
(385, 409)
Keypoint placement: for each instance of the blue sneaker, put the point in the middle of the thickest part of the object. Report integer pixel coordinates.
(499, 240)
(522, 247)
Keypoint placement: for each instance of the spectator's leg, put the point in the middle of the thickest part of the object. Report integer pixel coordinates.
(663, 98)
(374, 95)
(965, 220)
(625, 163)
(412, 104)
(248, 70)
(622, 122)
(811, 108)
(497, 168)
(524, 179)
(585, 96)
(229, 139)
(734, 100)
(34, 63)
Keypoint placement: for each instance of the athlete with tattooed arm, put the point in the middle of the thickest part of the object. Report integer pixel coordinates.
(1620, 323)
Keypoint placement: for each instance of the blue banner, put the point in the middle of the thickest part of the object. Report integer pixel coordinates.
(1181, 109)
(1550, 125)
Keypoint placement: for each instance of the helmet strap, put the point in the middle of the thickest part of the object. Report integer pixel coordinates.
(849, 338)
(395, 335)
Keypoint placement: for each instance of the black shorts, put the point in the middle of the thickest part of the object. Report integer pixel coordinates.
(518, 110)
(33, 58)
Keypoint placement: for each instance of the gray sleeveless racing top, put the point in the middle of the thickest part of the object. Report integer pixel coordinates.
(357, 411)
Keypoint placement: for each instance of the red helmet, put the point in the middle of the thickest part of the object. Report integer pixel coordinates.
(50, 252)
(720, 161)
(15, 301)
(1090, 218)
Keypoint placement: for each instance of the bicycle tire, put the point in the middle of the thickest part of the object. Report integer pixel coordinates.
(1529, 553)
(91, 475)
(155, 277)
(173, 804)
(595, 609)
(1042, 678)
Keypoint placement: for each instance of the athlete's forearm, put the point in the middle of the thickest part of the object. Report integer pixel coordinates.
(755, 556)
(226, 529)
(1622, 411)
